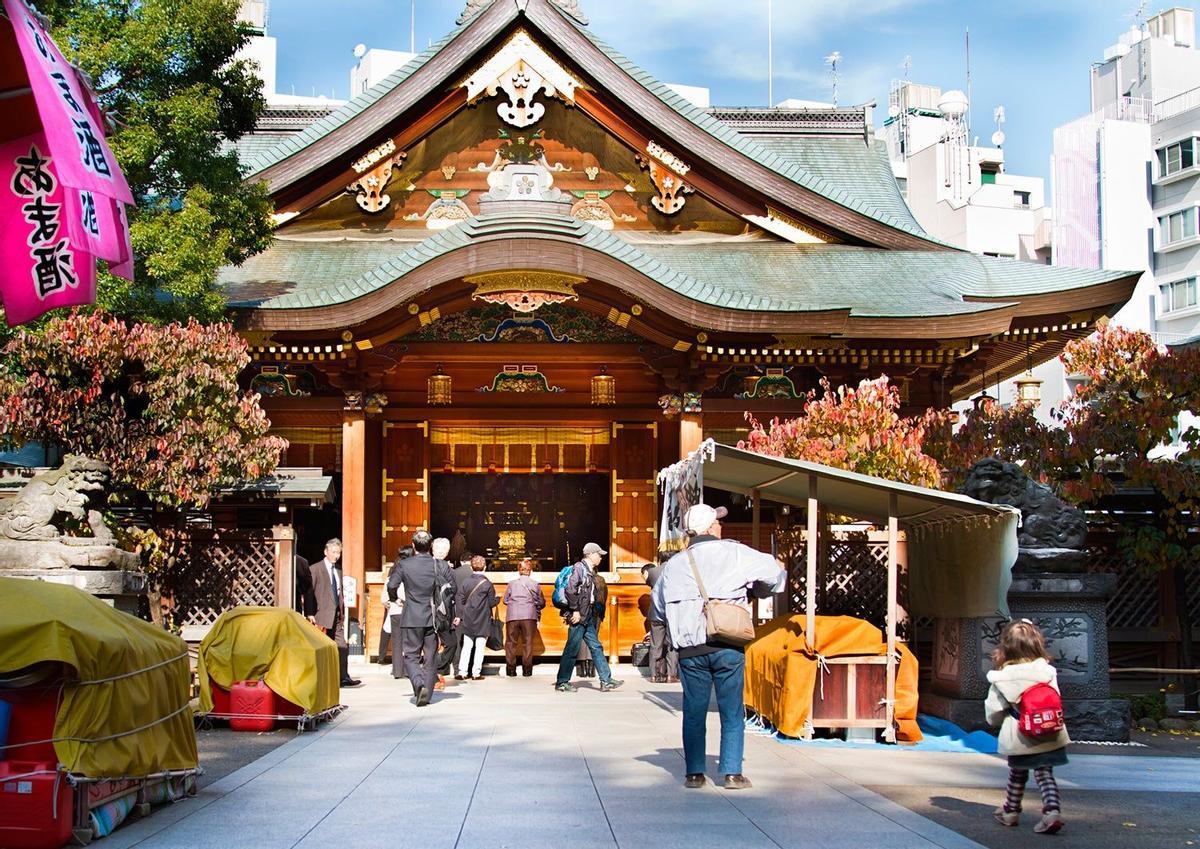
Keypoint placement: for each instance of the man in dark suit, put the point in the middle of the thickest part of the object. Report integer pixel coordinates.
(421, 576)
(664, 660)
(303, 586)
(330, 614)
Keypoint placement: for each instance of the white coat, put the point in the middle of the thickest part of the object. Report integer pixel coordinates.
(1008, 683)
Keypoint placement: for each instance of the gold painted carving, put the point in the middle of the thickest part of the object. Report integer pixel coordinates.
(666, 173)
(525, 291)
(375, 172)
(522, 70)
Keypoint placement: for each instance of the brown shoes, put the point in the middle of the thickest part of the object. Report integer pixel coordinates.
(694, 780)
(737, 781)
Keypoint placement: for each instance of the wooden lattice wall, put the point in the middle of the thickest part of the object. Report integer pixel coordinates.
(221, 569)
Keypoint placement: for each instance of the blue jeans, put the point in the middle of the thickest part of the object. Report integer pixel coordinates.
(584, 633)
(724, 668)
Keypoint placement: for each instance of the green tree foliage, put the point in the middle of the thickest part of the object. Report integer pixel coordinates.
(164, 71)
(859, 429)
(159, 403)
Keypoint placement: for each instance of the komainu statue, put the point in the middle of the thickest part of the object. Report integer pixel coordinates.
(1052, 534)
(66, 492)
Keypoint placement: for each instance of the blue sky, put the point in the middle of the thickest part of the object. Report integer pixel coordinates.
(1031, 56)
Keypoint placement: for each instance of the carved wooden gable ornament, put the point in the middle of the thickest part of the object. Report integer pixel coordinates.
(521, 70)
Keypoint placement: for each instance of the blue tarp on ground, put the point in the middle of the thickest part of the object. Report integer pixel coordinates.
(940, 736)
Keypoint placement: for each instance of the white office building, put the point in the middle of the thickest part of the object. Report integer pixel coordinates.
(956, 188)
(1126, 180)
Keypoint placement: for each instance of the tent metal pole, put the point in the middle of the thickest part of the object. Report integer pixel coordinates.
(889, 733)
(810, 575)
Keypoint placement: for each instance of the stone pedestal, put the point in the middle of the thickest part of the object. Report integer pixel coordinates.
(1070, 610)
(120, 587)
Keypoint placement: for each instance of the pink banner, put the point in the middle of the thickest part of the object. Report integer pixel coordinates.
(41, 269)
(124, 266)
(82, 156)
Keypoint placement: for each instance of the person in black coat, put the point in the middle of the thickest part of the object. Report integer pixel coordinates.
(422, 578)
(460, 570)
(476, 599)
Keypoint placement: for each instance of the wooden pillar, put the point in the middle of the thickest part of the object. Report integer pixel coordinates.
(354, 492)
(810, 578)
(285, 565)
(373, 495)
(691, 432)
(889, 733)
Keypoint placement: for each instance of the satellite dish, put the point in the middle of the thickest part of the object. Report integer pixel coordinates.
(893, 111)
(998, 138)
(360, 50)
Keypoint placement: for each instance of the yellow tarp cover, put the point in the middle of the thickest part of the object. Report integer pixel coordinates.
(42, 622)
(276, 644)
(782, 669)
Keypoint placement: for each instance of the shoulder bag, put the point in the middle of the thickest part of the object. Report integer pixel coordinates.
(724, 621)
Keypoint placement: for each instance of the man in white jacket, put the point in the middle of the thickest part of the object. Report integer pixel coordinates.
(729, 570)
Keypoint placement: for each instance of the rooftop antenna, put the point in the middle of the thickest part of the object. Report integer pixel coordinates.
(998, 117)
(832, 61)
(770, 55)
(968, 45)
(907, 66)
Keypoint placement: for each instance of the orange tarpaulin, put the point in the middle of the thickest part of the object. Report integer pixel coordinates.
(782, 669)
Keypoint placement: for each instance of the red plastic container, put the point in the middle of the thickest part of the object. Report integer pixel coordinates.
(252, 704)
(36, 811)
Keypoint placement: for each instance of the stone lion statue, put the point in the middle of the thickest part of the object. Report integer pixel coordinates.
(1046, 520)
(65, 491)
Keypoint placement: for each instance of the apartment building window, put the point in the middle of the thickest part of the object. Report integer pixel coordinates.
(1175, 157)
(1179, 295)
(1177, 226)
(987, 175)
(1021, 198)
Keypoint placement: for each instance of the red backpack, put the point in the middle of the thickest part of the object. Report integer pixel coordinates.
(1041, 711)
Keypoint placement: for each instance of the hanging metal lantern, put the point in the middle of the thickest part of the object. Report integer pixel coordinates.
(604, 389)
(438, 388)
(1029, 389)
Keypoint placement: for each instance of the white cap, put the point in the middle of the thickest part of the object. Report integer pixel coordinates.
(593, 548)
(700, 517)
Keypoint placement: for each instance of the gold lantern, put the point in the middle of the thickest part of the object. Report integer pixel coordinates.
(438, 388)
(604, 389)
(1029, 389)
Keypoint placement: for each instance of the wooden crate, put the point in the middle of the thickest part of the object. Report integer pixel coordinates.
(852, 693)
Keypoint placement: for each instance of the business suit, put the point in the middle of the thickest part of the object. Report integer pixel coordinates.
(664, 660)
(330, 609)
(420, 576)
(303, 587)
(453, 650)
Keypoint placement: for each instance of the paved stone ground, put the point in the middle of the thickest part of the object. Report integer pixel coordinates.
(510, 763)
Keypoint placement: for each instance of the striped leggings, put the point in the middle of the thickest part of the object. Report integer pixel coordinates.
(1044, 776)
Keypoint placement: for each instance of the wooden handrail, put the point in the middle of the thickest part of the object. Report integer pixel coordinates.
(1154, 670)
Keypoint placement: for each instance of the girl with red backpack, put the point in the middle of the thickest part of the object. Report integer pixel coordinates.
(1024, 701)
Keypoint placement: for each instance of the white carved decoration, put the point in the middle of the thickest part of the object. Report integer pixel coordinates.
(369, 188)
(521, 69)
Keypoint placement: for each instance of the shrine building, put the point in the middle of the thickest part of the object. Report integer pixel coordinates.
(519, 276)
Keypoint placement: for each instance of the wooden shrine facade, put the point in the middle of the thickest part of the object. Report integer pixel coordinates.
(522, 256)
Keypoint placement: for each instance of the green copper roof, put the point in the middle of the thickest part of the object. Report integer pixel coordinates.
(734, 273)
(847, 177)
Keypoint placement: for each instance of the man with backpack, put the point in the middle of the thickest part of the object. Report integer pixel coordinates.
(428, 610)
(575, 595)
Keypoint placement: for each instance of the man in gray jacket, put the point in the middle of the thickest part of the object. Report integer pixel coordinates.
(728, 570)
(523, 603)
